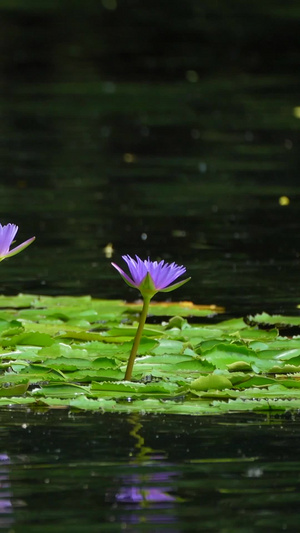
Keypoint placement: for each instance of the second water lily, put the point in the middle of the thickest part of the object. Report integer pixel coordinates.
(7, 235)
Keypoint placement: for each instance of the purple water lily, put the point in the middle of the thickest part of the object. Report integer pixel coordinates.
(149, 277)
(7, 235)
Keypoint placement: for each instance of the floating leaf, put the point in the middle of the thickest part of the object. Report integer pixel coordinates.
(169, 347)
(178, 308)
(223, 355)
(213, 381)
(28, 338)
(60, 390)
(125, 389)
(88, 375)
(14, 390)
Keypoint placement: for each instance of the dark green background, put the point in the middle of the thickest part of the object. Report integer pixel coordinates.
(165, 128)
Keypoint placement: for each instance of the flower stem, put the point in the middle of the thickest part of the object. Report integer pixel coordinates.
(137, 339)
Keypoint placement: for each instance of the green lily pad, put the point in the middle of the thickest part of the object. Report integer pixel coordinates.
(212, 381)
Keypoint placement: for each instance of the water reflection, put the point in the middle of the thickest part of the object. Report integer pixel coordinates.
(6, 507)
(144, 494)
(71, 472)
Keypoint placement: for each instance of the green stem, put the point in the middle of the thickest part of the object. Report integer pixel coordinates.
(137, 339)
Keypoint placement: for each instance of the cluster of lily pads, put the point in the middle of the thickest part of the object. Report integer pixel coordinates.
(74, 352)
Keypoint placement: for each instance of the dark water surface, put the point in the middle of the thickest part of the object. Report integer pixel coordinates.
(168, 129)
(63, 472)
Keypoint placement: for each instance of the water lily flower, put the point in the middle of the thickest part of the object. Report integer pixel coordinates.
(149, 277)
(7, 235)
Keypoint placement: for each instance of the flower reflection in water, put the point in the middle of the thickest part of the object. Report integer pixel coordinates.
(145, 493)
(146, 487)
(6, 508)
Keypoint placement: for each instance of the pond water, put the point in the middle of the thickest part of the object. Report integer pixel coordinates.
(169, 132)
(168, 129)
(63, 472)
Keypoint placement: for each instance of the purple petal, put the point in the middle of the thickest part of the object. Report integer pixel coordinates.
(137, 268)
(174, 273)
(19, 248)
(163, 274)
(131, 264)
(7, 235)
(124, 275)
(175, 285)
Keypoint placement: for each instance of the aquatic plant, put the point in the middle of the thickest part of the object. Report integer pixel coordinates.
(149, 277)
(67, 351)
(7, 235)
